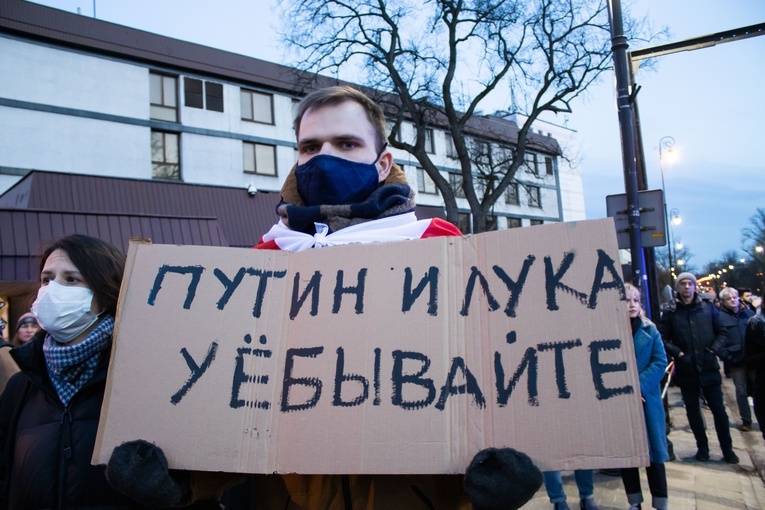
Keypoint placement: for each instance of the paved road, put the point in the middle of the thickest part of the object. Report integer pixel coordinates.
(712, 485)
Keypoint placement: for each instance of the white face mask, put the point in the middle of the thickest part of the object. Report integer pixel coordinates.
(64, 312)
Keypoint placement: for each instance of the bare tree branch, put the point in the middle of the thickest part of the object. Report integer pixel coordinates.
(436, 62)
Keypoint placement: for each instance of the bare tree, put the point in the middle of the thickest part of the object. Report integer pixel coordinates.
(435, 62)
(753, 242)
(682, 262)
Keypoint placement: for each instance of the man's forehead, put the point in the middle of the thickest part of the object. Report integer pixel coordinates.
(687, 280)
(338, 114)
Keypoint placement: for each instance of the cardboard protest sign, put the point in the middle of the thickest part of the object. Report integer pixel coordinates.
(380, 358)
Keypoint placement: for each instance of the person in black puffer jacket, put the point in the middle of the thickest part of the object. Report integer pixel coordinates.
(733, 317)
(754, 359)
(693, 336)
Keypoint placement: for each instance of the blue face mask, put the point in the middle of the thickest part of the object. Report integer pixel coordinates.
(329, 180)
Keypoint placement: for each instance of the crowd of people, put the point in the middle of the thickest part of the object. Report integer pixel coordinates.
(58, 363)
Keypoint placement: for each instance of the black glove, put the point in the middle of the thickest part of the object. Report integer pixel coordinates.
(138, 469)
(501, 479)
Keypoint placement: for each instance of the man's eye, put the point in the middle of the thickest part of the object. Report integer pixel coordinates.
(348, 145)
(308, 149)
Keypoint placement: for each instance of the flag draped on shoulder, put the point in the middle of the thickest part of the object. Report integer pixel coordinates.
(401, 227)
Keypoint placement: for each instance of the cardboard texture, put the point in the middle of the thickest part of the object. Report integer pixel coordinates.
(385, 358)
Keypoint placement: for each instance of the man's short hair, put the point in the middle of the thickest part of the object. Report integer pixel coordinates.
(743, 290)
(332, 96)
(728, 291)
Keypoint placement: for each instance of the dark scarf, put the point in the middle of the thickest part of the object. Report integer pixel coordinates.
(70, 367)
(388, 200)
(635, 323)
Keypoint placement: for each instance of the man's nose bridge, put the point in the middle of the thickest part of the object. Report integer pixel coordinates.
(327, 148)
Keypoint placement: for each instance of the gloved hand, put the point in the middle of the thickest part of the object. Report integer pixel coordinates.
(138, 469)
(501, 479)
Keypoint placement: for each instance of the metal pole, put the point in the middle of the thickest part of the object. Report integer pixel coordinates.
(626, 127)
(648, 253)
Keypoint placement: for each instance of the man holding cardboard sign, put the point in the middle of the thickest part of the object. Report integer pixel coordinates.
(345, 189)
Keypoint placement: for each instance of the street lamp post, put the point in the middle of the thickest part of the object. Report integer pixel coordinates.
(666, 142)
(675, 219)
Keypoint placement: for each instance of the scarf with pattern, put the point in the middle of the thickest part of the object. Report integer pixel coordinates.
(70, 367)
(387, 200)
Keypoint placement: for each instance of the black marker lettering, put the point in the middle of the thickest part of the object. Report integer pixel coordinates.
(194, 271)
(410, 296)
(529, 361)
(598, 369)
(475, 274)
(196, 371)
(358, 291)
(470, 386)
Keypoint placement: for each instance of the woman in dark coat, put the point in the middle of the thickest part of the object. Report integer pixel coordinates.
(651, 364)
(49, 411)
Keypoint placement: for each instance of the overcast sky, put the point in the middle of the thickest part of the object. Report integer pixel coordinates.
(711, 101)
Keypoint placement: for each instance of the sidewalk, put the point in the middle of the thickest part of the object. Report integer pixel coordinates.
(712, 485)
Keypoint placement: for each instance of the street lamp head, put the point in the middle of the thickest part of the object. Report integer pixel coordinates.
(666, 142)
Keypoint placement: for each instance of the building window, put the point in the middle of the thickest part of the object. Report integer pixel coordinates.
(424, 183)
(513, 222)
(199, 94)
(392, 125)
(257, 107)
(214, 96)
(463, 223)
(550, 165)
(163, 97)
(451, 150)
(491, 223)
(259, 159)
(482, 149)
(192, 92)
(535, 197)
(511, 194)
(536, 222)
(165, 155)
(430, 146)
(455, 181)
(532, 163)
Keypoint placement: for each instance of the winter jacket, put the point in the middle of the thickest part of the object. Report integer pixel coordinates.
(754, 345)
(8, 367)
(46, 446)
(695, 330)
(732, 353)
(651, 364)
